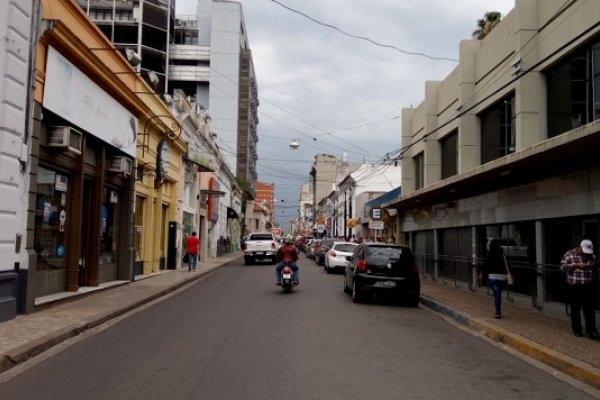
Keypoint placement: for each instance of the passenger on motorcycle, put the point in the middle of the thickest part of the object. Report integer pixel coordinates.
(287, 254)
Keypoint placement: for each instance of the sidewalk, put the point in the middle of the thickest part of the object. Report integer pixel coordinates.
(542, 337)
(545, 338)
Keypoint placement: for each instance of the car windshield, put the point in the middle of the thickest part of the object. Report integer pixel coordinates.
(347, 247)
(382, 255)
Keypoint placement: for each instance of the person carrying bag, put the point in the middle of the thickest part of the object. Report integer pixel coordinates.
(496, 268)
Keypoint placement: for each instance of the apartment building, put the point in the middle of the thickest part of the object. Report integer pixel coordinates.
(211, 62)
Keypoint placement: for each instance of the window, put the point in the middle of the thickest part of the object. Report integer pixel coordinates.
(419, 164)
(108, 239)
(50, 219)
(574, 91)
(449, 146)
(138, 235)
(498, 130)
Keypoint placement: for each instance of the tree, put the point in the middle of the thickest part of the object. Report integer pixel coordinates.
(486, 24)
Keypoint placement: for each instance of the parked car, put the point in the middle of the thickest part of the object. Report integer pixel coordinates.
(303, 242)
(335, 257)
(512, 248)
(325, 244)
(378, 268)
(311, 248)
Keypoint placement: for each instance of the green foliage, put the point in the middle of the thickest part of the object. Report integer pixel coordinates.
(486, 24)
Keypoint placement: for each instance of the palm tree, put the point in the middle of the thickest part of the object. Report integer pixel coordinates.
(486, 24)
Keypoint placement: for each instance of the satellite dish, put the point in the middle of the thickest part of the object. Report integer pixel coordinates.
(294, 144)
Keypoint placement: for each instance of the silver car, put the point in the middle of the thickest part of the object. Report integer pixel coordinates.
(335, 257)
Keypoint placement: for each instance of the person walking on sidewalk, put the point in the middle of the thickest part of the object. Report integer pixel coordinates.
(193, 249)
(579, 265)
(494, 266)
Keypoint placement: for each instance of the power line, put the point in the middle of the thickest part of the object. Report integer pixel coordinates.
(388, 46)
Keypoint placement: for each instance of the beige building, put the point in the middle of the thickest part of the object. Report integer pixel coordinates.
(506, 147)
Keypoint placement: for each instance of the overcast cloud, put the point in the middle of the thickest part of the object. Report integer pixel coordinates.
(337, 94)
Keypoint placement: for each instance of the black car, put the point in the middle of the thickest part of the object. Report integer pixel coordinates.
(383, 269)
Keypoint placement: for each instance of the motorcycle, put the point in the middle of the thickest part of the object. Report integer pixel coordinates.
(287, 283)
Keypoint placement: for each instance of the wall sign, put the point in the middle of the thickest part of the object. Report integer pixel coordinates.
(69, 93)
(162, 160)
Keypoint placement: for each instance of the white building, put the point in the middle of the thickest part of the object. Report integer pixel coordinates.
(211, 61)
(15, 98)
(358, 188)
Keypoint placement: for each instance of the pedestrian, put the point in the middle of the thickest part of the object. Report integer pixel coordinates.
(579, 265)
(193, 250)
(495, 266)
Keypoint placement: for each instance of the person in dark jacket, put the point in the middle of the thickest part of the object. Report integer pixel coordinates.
(495, 268)
(287, 254)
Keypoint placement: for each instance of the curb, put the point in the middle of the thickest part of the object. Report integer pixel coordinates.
(574, 368)
(26, 351)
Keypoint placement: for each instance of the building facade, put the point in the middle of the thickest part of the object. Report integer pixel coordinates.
(18, 22)
(211, 62)
(506, 147)
(144, 26)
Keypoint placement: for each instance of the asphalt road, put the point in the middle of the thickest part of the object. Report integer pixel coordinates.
(235, 335)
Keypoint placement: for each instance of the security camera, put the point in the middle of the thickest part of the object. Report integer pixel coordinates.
(134, 58)
(294, 145)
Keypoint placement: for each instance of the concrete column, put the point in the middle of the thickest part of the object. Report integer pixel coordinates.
(408, 169)
(540, 259)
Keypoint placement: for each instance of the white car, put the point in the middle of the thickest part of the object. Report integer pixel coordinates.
(335, 257)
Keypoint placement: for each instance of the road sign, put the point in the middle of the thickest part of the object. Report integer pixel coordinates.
(375, 224)
(376, 213)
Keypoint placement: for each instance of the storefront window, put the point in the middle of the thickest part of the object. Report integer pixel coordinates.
(108, 240)
(50, 219)
(518, 243)
(138, 235)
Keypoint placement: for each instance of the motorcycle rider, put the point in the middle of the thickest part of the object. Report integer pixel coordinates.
(287, 254)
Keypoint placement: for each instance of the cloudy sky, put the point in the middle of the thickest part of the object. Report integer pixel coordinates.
(337, 94)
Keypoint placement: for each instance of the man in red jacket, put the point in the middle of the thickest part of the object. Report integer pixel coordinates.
(193, 249)
(287, 254)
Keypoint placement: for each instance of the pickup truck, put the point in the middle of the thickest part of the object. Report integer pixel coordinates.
(260, 246)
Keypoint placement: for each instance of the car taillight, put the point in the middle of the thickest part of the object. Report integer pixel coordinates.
(244, 246)
(333, 254)
(273, 245)
(415, 268)
(362, 265)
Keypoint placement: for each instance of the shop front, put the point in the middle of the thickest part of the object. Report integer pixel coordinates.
(82, 187)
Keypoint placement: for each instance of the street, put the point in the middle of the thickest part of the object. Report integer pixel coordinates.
(235, 335)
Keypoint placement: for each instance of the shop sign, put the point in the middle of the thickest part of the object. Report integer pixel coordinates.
(69, 93)
(206, 162)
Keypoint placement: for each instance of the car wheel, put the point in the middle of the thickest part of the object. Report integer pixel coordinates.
(356, 296)
(248, 260)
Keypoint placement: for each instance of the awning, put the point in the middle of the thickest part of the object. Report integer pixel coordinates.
(231, 213)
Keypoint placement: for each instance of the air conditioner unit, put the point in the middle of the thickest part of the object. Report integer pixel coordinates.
(121, 165)
(65, 137)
